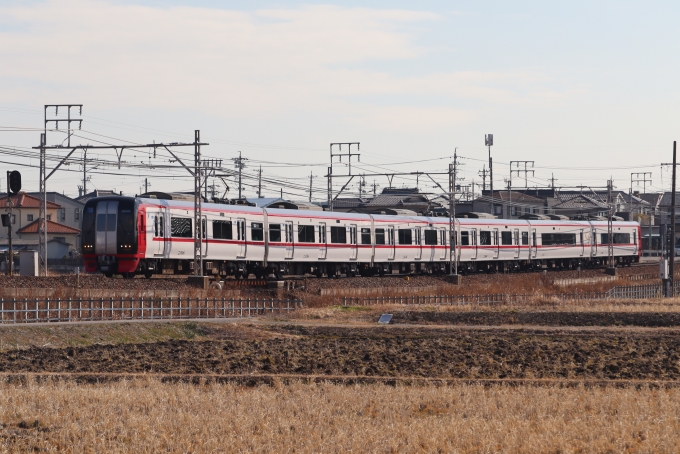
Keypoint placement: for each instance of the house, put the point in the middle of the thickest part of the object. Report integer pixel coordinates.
(70, 211)
(58, 236)
(507, 205)
(24, 221)
(403, 201)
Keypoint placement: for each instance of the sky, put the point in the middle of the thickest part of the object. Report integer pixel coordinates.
(586, 90)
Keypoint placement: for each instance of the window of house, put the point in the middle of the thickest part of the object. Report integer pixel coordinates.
(14, 219)
(431, 237)
(179, 227)
(498, 210)
(405, 236)
(485, 238)
(275, 233)
(527, 210)
(29, 217)
(365, 236)
(464, 238)
(535, 210)
(305, 233)
(49, 217)
(513, 211)
(62, 214)
(338, 235)
(506, 238)
(379, 236)
(525, 238)
(77, 214)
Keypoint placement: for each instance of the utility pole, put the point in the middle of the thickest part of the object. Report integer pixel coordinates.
(146, 185)
(552, 181)
(198, 207)
(488, 140)
(375, 186)
(259, 183)
(10, 262)
(85, 171)
(240, 166)
(671, 263)
(635, 178)
(311, 177)
(483, 173)
(453, 237)
(611, 266)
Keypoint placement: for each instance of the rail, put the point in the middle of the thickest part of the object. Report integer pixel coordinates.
(33, 310)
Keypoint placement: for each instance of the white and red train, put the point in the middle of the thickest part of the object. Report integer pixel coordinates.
(127, 235)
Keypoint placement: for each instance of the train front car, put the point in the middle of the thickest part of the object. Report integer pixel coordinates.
(110, 242)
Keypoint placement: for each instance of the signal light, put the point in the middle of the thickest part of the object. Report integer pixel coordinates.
(14, 178)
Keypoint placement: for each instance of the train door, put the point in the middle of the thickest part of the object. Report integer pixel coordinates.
(593, 243)
(354, 254)
(496, 243)
(516, 240)
(419, 243)
(582, 237)
(635, 241)
(241, 237)
(159, 240)
(390, 242)
(204, 238)
(106, 226)
(473, 243)
(444, 250)
(288, 229)
(534, 244)
(323, 246)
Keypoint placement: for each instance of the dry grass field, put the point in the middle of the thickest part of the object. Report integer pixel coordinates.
(150, 416)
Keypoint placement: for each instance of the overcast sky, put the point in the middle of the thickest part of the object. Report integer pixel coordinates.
(585, 89)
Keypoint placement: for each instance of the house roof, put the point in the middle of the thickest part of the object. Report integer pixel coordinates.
(398, 200)
(23, 200)
(579, 201)
(52, 227)
(349, 202)
(515, 196)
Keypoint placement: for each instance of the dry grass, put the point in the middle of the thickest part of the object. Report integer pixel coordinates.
(149, 416)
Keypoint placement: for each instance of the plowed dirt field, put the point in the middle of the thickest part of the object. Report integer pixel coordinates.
(435, 352)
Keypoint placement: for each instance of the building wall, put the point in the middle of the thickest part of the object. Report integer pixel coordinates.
(68, 237)
(21, 216)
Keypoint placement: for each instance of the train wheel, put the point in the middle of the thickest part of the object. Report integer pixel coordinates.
(148, 274)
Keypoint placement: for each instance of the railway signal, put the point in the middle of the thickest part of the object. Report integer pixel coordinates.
(14, 180)
(13, 186)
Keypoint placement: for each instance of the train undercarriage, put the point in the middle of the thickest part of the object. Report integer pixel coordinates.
(244, 269)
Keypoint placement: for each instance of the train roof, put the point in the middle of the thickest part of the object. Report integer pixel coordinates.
(337, 215)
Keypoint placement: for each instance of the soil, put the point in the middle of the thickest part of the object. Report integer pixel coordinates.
(391, 351)
(497, 318)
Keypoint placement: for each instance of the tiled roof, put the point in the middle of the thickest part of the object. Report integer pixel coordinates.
(52, 227)
(349, 202)
(398, 200)
(579, 201)
(515, 196)
(23, 200)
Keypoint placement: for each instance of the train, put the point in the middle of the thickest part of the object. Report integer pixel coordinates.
(146, 236)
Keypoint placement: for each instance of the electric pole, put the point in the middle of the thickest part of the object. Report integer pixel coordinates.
(240, 166)
(259, 183)
(518, 170)
(488, 140)
(671, 263)
(552, 181)
(311, 177)
(483, 173)
(146, 185)
(611, 268)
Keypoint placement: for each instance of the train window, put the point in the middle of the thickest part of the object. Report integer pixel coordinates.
(222, 230)
(405, 236)
(634, 238)
(431, 237)
(443, 237)
(275, 233)
(581, 237)
(322, 233)
(180, 227)
(339, 235)
(390, 236)
(256, 231)
(506, 238)
(365, 236)
(619, 238)
(533, 237)
(558, 239)
(464, 238)
(484, 238)
(306, 233)
(525, 238)
(379, 236)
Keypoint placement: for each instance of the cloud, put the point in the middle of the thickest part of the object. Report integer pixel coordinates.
(239, 64)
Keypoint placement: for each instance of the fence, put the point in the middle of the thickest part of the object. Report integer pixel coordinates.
(619, 292)
(31, 310)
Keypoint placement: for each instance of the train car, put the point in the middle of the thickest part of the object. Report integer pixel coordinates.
(128, 236)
